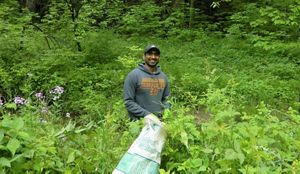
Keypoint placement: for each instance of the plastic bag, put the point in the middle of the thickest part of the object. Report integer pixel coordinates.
(143, 156)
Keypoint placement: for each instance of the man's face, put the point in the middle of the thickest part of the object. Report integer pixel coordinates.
(151, 58)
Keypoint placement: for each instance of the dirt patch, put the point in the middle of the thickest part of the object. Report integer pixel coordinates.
(201, 115)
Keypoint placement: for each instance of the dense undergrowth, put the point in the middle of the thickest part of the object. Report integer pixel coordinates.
(62, 110)
(234, 76)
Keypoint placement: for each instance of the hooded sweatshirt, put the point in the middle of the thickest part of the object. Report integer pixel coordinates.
(145, 92)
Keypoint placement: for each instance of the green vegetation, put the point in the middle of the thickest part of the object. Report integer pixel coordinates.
(233, 68)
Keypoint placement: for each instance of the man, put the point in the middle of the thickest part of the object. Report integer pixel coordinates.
(146, 88)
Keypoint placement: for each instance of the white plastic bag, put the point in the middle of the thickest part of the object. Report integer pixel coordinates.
(143, 156)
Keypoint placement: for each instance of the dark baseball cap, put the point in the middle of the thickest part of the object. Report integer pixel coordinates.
(151, 47)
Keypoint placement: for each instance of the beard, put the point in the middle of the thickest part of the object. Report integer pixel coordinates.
(152, 64)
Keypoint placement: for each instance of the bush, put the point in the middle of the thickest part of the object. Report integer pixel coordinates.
(103, 47)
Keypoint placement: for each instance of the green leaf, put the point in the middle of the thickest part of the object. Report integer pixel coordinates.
(206, 150)
(4, 162)
(24, 135)
(90, 124)
(237, 146)
(87, 127)
(79, 130)
(202, 169)
(11, 106)
(162, 171)
(230, 154)
(28, 153)
(15, 158)
(60, 132)
(13, 145)
(241, 157)
(134, 128)
(2, 147)
(1, 135)
(184, 138)
(70, 126)
(71, 157)
(15, 124)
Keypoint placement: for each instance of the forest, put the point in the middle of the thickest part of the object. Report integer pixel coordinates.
(232, 65)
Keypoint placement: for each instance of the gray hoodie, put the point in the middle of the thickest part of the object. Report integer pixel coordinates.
(145, 92)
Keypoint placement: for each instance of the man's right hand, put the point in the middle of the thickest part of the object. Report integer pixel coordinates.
(152, 119)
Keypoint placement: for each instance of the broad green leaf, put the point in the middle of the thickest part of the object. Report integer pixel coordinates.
(241, 157)
(16, 124)
(71, 157)
(237, 146)
(207, 150)
(28, 153)
(202, 169)
(217, 151)
(13, 145)
(4, 162)
(24, 135)
(184, 138)
(230, 154)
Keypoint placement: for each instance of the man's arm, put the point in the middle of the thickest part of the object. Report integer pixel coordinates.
(129, 97)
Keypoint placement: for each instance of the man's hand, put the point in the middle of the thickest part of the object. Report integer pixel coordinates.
(152, 119)
(152, 116)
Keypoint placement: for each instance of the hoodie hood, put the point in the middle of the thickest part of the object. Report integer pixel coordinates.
(143, 68)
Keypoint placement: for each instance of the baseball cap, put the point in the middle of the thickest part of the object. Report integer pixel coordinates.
(151, 47)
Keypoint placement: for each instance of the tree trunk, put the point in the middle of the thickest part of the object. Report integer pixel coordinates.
(192, 13)
(74, 7)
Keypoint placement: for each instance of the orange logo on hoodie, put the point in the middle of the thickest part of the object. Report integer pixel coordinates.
(152, 84)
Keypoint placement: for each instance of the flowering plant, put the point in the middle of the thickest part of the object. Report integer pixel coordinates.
(57, 92)
(20, 101)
